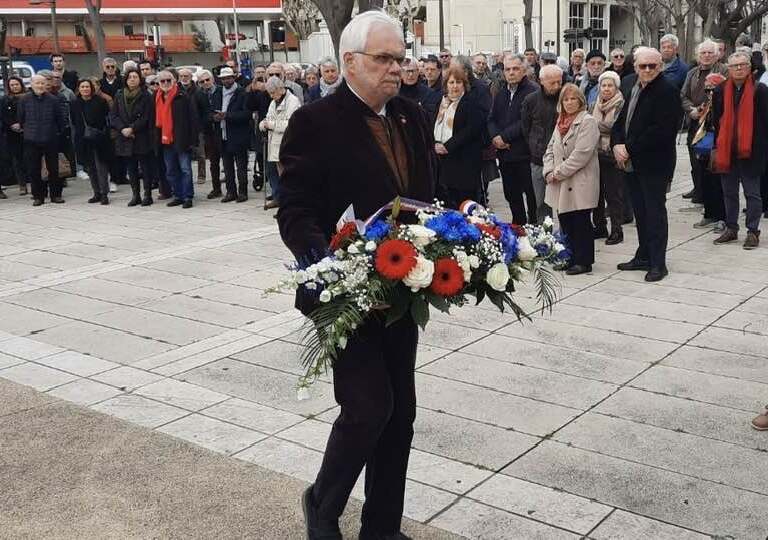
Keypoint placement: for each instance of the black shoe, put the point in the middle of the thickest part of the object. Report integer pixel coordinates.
(57, 200)
(175, 202)
(242, 198)
(367, 534)
(315, 529)
(214, 194)
(634, 264)
(163, 197)
(104, 200)
(3, 195)
(628, 220)
(187, 204)
(600, 232)
(94, 199)
(229, 197)
(689, 195)
(656, 274)
(37, 202)
(616, 237)
(257, 185)
(135, 200)
(577, 269)
(147, 200)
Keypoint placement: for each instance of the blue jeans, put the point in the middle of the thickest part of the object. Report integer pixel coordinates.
(274, 180)
(178, 170)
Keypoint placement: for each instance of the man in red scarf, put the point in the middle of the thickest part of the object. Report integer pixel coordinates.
(741, 127)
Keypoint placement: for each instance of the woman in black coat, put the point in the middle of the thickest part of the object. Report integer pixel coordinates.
(89, 115)
(458, 130)
(14, 135)
(132, 117)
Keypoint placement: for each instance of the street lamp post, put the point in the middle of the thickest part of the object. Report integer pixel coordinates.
(51, 3)
(442, 30)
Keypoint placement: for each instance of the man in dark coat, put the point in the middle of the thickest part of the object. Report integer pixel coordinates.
(374, 147)
(643, 141)
(505, 127)
(411, 88)
(741, 146)
(433, 74)
(232, 127)
(539, 116)
(178, 129)
(111, 81)
(68, 77)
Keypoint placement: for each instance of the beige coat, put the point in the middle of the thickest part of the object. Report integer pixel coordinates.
(573, 159)
(277, 122)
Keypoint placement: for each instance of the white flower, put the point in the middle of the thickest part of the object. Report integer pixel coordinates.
(421, 274)
(326, 296)
(421, 235)
(370, 246)
(353, 249)
(311, 285)
(300, 277)
(548, 223)
(474, 261)
(525, 251)
(559, 247)
(498, 277)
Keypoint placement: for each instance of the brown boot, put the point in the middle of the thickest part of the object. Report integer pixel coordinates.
(729, 235)
(753, 240)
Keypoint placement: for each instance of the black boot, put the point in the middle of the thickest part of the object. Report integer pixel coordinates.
(616, 236)
(600, 231)
(136, 199)
(242, 192)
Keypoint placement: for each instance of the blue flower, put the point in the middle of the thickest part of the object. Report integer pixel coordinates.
(453, 227)
(377, 230)
(508, 242)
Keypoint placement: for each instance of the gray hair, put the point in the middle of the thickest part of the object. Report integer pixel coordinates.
(517, 56)
(355, 34)
(706, 44)
(480, 54)
(745, 50)
(274, 83)
(582, 52)
(617, 49)
(47, 73)
(184, 70)
(204, 72)
(172, 73)
(311, 70)
(562, 63)
(550, 69)
(328, 61)
(646, 50)
(110, 60)
(36, 77)
(130, 64)
(671, 38)
(743, 54)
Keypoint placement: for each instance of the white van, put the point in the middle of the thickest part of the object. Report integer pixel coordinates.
(20, 69)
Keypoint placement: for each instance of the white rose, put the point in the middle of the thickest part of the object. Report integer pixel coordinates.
(548, 222)
(353, 249)
(525, 251)
(421, 274)
(498, 277)
(421, 235)
(474, 261)
(311, 285)
(370, 246)
(326, 296)
(300, 277)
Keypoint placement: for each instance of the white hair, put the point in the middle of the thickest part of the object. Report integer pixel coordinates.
(562, 63)
(354, 38)
(706, 44)
(671, 38)
(743, 54)
(169, 72)
(646, 50)
(550, 69)
(327, 61)
(517, 56)
(617, 49)
(129, 64)
(184, 70)
(204, 72)
(274, 83)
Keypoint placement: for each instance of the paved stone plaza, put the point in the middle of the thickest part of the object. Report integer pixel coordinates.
(624, 414)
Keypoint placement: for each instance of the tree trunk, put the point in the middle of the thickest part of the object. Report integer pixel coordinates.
(337, 13)
(94, 12)
(3, 33)
(366, 5)
(527, 21)
(690, 36)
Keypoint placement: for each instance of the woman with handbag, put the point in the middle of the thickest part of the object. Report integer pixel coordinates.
(132, 119)
(89, 117)
(13, 131)
(606, 110)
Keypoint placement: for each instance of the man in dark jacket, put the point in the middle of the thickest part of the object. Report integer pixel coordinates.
(505, 127)
(178, 128)
(740, 108)
(43, 120)
(643, 141)
(539, 116)
(330, 79)
(365, 127)
(211, 143)
(69, 78)
(675, 70)
(420, 93)
(433, 74)
(232, 127)
(111, 81)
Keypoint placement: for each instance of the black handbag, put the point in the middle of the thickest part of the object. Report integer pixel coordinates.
(91, 133)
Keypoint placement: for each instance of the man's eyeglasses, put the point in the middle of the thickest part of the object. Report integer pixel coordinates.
(162, 81)
(204, 80)
(647, 67)
(110, 67)
(445, 56)
(618, 56)
(383, 58)
(409, 71)
(273, 75)
(739, 66)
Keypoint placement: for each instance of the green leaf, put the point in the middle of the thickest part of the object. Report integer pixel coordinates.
(438, 302)
(399, 302)
(497, 299)
(395, 208)
(420, 311)
(480, 295)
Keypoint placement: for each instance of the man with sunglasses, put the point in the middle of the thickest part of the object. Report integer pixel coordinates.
(276, 69)
(362, 146)
(618, 63)
(111, 81)
(643, 141)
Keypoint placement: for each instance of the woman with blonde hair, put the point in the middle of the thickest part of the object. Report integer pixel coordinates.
(572, 173)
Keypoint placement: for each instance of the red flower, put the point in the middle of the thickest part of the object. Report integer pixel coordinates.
(490, 229)
(345, 233)
(395, 259)
(448, 279)
(519, 230)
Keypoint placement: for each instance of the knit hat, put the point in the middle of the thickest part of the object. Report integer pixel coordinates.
(610, 75)
(595, 54)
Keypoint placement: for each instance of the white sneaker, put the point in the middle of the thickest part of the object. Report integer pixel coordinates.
(82, 175)
(112, 187)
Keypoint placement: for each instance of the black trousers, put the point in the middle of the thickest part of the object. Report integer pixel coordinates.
(454, 197)
(213, 154)
(764, 189)
(374, 384)
(611, 194)
(649, 198)
(712, 192)
(33, 155)
(577, 227)
(698, 169)
(516, 177)
(239, 159)
(132, 164)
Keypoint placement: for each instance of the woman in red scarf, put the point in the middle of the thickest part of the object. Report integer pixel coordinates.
(572, 173)
(741, 127)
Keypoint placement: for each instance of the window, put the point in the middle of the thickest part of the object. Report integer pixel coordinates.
(596, 44)
(597, 16)
(79, 30)
(128, 29)
(30, 32)
(573, 45)
(576, 15)
(509, 37)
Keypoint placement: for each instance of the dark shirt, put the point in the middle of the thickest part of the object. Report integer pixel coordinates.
(42, 117)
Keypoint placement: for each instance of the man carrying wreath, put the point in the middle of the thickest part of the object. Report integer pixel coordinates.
(362, 145)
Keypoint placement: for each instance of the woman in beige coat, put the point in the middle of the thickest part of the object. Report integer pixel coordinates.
(572, 173)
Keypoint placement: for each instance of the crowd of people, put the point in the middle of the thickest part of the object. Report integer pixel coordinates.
(592, 140)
